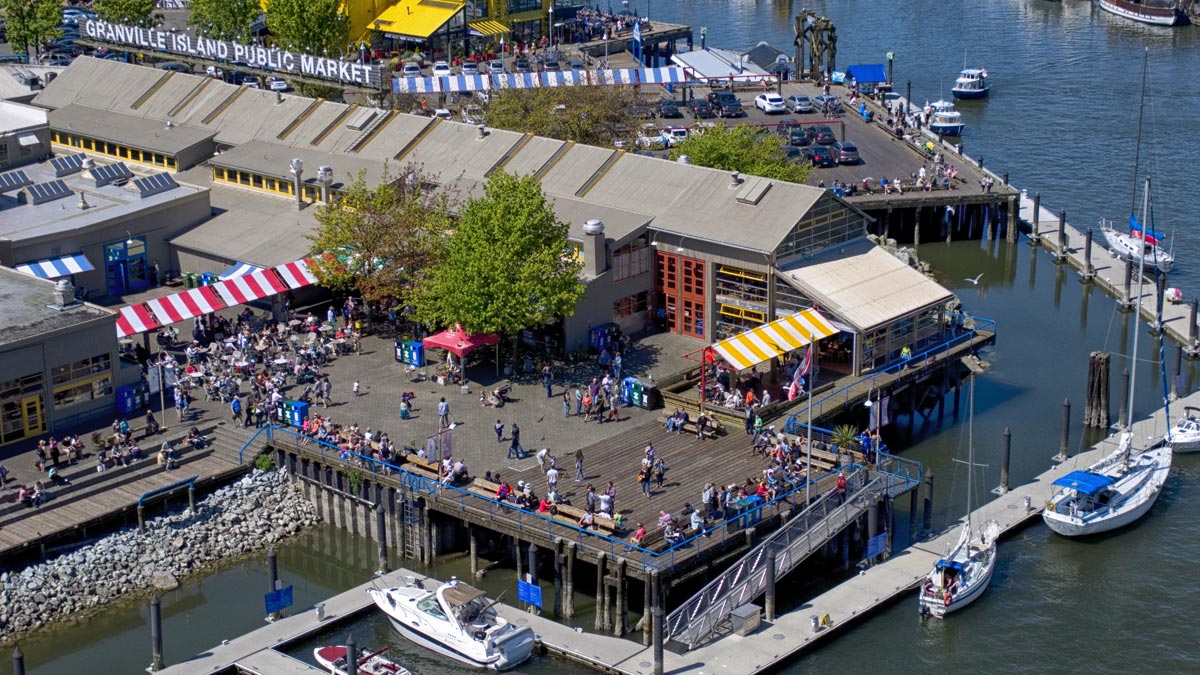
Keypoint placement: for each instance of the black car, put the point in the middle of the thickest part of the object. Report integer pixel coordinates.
(792, 133)
(521, 65)
(822, 155)
(731, 109)
(669, 109)
(821, 135)
(702, 109)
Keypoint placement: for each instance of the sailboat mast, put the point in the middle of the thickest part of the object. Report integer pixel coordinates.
(970, 450)
(1137, 148)
(1137, 319)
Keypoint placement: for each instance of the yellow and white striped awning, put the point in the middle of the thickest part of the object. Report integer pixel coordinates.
(774, 339)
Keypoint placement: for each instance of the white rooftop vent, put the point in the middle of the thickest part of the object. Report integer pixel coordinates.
(325, 174)
(593, 227)
(735, 180)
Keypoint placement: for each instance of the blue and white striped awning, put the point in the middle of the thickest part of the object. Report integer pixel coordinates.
(517, 81)
(238, 270)
(565, 78)
(54, 268)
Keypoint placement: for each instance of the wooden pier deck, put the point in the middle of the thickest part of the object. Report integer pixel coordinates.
(1109, 271)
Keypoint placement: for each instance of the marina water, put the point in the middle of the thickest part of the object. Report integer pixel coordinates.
(1061, 120)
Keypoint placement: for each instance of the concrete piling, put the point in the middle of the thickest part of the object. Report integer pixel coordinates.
(534, 563)
(272, 577)
(618, 624)
(1190, 347)
(569, 582)
(381, 537)
(1122, 416)
(473, 543)
(1063, 445)
(657, 620)
(156, 642)
(769, 582)
(927, 515)
(1006, 454)
(18, 661)
(1061, 254)
(1089, 271)
(601, 593)
(1034, 236)
(1127, 301)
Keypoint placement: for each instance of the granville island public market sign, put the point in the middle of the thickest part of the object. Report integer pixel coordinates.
(268, 58)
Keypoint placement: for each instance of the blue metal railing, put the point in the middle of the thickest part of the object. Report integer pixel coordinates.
(442, 493)
(190, 482)
(841, 396)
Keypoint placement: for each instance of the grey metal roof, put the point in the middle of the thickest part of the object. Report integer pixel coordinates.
(138, 132)
(275, 160)
(618, 223)
(865, 284)
(99, 83)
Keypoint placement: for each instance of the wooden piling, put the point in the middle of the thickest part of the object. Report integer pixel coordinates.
(558, 576)
(473, 544)
(1061, 254)
(601, 594)
(1064, 446)
(618, 623)
(1122, 416)
(1095, 409)
(1034, 235)
(569, 582)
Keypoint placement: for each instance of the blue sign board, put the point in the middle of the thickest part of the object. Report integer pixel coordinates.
(279, 600)
(877, 545)
(530, 594)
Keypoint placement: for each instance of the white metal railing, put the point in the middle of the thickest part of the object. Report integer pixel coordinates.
(697, 618)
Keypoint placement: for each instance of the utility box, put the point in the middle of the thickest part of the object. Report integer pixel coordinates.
(745, 619)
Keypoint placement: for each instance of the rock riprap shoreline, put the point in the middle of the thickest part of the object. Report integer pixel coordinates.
(256, 511)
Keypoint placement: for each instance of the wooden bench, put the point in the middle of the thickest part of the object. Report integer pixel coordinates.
(603, 523)
(426, 467)
(690, 428)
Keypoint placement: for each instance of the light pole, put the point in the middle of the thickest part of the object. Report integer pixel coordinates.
(550, 26)
(162, 396)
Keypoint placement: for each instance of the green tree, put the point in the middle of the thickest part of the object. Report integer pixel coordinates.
(317, 27)
(741, 148)
(31, 23)
(375, 238)
(129, 12)
(591, 114)
(505, 267)
(224, 19)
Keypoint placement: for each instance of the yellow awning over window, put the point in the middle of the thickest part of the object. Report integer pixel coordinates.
(774, 339)
(416, 18)
(487, 27)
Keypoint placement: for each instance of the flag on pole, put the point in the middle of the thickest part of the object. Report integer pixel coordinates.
(637, 41)
(801, 371)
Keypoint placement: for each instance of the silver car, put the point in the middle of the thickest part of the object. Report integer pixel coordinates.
(799, 103)
(847, 152)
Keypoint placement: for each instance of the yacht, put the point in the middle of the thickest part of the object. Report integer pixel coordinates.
(1184, 435)
(333, 658)
(456, 621)
(971, 83)
(944, 119)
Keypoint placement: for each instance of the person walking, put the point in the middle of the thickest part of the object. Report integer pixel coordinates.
(749, 420)
(660, 471)
(552, 479)
(499, 431)
(616, 367)
(579, 465)
(514, 449)
(443, 410)
(644, 480)
(566, 400)
(235, 406)
(547, 378)
(355, 388)
(578, 401)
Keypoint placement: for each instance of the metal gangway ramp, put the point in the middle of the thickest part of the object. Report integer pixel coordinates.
(823, 520)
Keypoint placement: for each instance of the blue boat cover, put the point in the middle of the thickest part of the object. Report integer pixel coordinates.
(870, 73)
(1085, 482)
(950, 564)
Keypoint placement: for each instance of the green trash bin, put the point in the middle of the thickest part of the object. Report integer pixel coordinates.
(189, 280)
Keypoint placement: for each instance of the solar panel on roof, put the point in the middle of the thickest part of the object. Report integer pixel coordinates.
(67, 165)
(153, 184)
(48, 192)
(111, 173)
(13, 180)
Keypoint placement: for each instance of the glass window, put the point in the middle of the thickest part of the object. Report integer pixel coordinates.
(82, 392)
(270, 183)
(81, 369)
(829, 222)
(631, 305)
(21, 387)
(135, 154)
(632, 260)
(159, 160)
(256, 181)
(170, 162)
(243, 178)
(518, 6)
(123, 152)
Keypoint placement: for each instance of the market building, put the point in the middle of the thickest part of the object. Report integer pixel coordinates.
(681, 248)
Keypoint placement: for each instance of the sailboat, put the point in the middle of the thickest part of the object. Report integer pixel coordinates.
(960, 577)
(1122, 487)
(1140, 244)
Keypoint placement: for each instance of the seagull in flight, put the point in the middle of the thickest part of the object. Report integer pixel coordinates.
(975, 281)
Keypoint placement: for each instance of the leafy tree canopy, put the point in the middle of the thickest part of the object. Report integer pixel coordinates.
(591, 114)
(317, 27)
(505, 267)
(741, 148)
(224, 19)
(129, 12)
(374, 239)
(30, 23)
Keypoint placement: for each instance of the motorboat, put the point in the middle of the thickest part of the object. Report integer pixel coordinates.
(971, 83)
(1184, 435)
(456, 621)
(961, 576)
(1155, 12)
(333, 657)
(1110, 494)
(1140, 245)
(944, 119)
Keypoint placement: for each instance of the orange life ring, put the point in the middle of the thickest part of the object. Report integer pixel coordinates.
(946, 600)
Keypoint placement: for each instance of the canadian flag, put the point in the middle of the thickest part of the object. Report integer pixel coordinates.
(794, 387)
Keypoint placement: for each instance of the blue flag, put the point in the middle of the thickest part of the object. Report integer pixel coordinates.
(637, 41)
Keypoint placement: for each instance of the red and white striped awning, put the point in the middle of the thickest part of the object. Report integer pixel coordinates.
(249, 287)
(185, 305)
(296, 274)
(135, 319)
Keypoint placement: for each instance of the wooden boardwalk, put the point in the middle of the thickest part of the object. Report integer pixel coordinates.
(1109, 271)
(94, 497)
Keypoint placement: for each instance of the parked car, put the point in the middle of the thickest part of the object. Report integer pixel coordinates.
(496, 67)
(673, 136)
(732, 109)
(472, 114)
(847, 152)
(175, 66)
(822, 155)
(443, 113)
(795, 155)
(521, 65)
(716, 98)
(551, 65)
(669, 109)
(621, 136)
(441, 69)
(641, 112)
(649, 137)
(576, 65)
(827, 103)
(249, 80)
(769, 103)
(793, 133)
(799, 103)
(821, 134)
(469, 68)
(410, 70)
(701, 109)
(277, 84)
